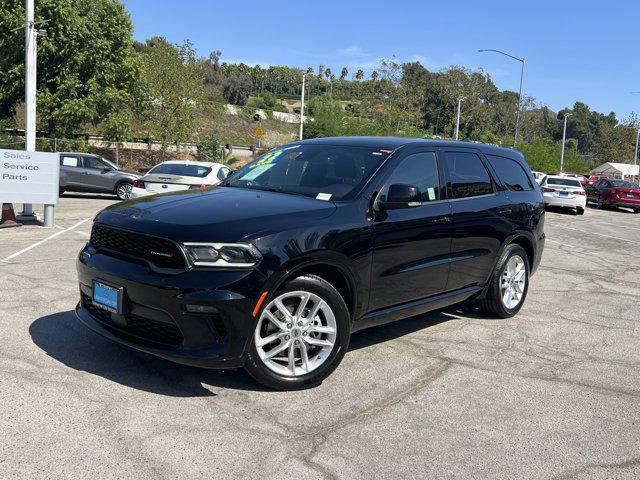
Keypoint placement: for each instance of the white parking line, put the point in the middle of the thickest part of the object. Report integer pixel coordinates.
(6, 259)
(599, 234)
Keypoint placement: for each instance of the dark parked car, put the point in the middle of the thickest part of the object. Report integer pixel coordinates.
(614, 193)
(276, 267)
(82, 172)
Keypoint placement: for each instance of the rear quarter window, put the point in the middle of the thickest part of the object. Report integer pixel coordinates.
(513, 176)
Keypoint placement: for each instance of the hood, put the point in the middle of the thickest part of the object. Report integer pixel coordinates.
(130, 172)
(218, 214)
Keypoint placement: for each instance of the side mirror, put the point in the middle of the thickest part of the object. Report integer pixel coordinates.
(106, 170)
(401, 196)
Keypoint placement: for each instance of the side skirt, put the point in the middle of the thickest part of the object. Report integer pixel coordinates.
(416, 307)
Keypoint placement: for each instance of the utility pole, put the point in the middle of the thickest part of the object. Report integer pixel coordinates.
(304, 76)
(460, 99)
(564, 136)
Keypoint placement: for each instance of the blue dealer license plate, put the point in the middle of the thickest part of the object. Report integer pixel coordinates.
(107, 297)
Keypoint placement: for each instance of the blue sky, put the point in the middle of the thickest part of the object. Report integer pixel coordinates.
(574, 50)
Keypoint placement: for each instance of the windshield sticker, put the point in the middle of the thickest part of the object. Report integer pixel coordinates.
(257, 171)
(271, 157)
(384, 150)
(376, 153)
(324, 196)
(431, 192)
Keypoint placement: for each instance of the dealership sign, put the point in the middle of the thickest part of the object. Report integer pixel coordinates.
(29, 177)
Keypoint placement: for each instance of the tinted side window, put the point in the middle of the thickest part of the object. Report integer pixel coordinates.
(511, 173)
(93, 162)
(419, 170)
(467, 175)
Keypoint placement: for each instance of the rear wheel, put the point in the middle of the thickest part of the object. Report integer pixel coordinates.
(123, 190)
(600, 203)
(301, 335)
(580, 211)
(508, 284)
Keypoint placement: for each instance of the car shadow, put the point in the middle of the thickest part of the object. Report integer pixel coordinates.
(65, 339)
(390, 331)
(90, 196)
(561, 210)
(608, 208)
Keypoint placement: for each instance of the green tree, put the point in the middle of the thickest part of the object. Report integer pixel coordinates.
(328, 116)
(88, 71)
(175, 82)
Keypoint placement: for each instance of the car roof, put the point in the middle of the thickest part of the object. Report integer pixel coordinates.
(193, 162)
(392, 143)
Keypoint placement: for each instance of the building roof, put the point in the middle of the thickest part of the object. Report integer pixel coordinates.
(612, 168)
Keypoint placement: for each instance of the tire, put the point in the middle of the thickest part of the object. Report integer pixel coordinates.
(123, 190)
(580, 211)
(600, 204)
(61, 191)
(493, 302)
(276, 372)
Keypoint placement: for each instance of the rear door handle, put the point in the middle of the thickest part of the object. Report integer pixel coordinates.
(442, 220)
(505, 211)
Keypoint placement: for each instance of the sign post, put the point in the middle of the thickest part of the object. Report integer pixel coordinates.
(30, 177)
(259, 133)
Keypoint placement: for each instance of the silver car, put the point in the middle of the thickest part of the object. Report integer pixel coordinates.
(83, 172)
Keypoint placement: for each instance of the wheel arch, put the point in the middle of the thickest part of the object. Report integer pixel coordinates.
(330, 269)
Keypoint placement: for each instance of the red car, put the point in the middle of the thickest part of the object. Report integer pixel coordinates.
(615, 193)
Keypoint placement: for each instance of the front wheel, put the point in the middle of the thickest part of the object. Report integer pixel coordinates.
(301, 336)
(508, 284)
(123, 190)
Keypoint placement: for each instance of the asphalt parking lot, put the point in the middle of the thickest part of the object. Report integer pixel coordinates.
(551, 393)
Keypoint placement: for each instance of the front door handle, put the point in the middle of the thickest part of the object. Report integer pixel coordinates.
(442, 220)
(505, 211)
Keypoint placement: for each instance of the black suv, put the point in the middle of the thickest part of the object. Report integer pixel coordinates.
(276, 267)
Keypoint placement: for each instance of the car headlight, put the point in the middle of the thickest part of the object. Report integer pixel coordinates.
(230, 255)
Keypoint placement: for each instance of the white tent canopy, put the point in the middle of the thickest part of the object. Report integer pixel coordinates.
(619, 170)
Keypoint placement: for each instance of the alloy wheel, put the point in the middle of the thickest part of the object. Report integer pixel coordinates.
(124, 191)
(514, 279)
(295, 334)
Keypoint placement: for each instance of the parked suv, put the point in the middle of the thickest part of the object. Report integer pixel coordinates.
(82, 172)
(276, 267)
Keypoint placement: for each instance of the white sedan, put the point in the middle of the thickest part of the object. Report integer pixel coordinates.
(175, 175)
(563, 192)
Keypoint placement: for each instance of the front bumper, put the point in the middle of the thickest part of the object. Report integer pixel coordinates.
(155, 317)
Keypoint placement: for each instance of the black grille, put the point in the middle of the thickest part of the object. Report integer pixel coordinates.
(140, 327)
(158, 251)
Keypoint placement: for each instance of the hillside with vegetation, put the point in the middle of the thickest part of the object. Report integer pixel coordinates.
(94, 78)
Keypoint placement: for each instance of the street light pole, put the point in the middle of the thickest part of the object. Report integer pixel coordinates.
(460, 99)
(521, 60)
(304, 76)
(564, 136)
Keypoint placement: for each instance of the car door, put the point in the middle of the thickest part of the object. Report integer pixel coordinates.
(592, 191)
(519, 187)
(480, 218)
(99, 177)
(411, 246)
(71, 170)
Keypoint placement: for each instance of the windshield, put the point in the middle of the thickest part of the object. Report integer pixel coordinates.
(328, 172)
(623, 184)
(182, 169)
(569, 182)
